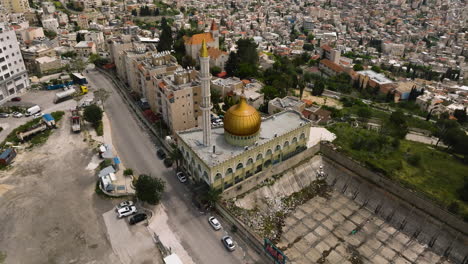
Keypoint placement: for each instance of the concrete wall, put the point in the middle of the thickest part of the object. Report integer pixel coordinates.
(420, 202)
(281, 167)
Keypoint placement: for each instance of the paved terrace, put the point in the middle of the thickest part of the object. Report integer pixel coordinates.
(278, 124)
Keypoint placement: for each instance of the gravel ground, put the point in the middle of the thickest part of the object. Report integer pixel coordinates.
(50, 213)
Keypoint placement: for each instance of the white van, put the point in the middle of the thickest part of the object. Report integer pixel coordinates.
(33, 110)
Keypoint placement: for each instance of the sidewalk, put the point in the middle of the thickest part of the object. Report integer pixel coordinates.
(168, 238)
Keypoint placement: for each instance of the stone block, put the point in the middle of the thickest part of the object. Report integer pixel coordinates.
(417, 248)
(366, 251)
(321, 231)
(382, 236)
(346, 212)
(312, 255)
(379, 259)
(301, 229)
(365, 213)
(337, 217)
(329, 224)
(429, 257)
(302, 246)
(400, 260)
(318, 216)
(373, 243)
(395, 245)
(334, 257)
(387, 253)
(311, 238)
(310, 222)
(357, 219)
(289, 222)
(402, 238)
(321, 247)
(389, 229)
(331, 240)
(299, 214)
(327, 210)
(336, 205)
(410, 255)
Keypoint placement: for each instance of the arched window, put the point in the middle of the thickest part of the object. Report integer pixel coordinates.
(239, 166)
(229, 171)
(286, 144)
(302, 136)
(249, 161)
(205, 176)
(218, 177)
(278, 148)
(294, 141)
(269, 152)
(259, 156)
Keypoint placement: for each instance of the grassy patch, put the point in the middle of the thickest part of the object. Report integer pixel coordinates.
(99, 129)
(432, 172)
(2, 257)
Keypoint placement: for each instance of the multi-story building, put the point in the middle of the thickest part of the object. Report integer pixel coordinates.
(193, 43)
(180, 96)
(330, 68)
(13, 74)
(51, 24)
(85, 48)
(289, 102)
(32, 53)
(330, 54)
(15, 6)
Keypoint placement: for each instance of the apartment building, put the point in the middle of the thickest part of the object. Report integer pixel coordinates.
(37, 51)
(15, 6)
(13, 74)
(180, 96)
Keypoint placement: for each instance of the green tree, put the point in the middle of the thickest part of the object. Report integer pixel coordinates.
(149, 189)
(232, 64)
(165, 40)
(93, 114)
(50, 34)
(269, 92)
(319, 87)
(188, 61)
(80, 37)
(176, 155)
(376, 69)
(396, 125)
(358, 67)
(364, 112)
(460, 115)
(215, 70)
(212, 196)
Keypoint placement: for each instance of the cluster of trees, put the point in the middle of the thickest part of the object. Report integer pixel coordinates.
(146, 11)
(149, 189)
(165, 39)
(244, 62)
(97, 60)
(452, 135)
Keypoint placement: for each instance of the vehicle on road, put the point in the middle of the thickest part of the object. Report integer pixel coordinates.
(181, 176)
(228, 243)
(16, 99)
(214, 223)
(4, 115)
(168, 162)
(161, 154)
(17, 114)
(65, 95)
(126, 211)
(75, 121)
(33, 110)
(137, 218)
(123, 204)
(38, 115)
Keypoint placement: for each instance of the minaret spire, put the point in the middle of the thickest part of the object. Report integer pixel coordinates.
(205, 106)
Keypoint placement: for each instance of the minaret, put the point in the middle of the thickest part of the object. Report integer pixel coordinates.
(206, 95)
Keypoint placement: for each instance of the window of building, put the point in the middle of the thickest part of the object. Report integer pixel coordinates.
(239, 166)
(286, 144)
(302, 136)
(259, 156)
(229, 171)
(269, 152)
(278, 148)
(249, 161)
(294, 141)
(218, 177)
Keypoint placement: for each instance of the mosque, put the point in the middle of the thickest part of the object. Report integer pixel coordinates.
(245, 145)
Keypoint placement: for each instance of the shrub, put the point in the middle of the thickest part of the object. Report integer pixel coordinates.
(414, 159)
(93, 114)
(453, 207)
(99, 129)
(128, 172)
(149, 189)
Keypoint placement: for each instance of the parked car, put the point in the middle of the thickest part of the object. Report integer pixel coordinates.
(168, 162)
(126, 211)
(161, 154)
(16, 99)
(4, 115)
(124, 204)
(17, 114)
(181, 176)
(137, 218)
(38, 115)
(228, 243)
(214, 223)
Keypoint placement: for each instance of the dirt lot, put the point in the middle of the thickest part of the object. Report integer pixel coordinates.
(50, 213)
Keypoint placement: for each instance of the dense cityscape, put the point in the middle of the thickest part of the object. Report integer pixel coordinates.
(182, 131)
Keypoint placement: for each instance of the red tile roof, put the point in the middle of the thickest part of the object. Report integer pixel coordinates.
(331, 65)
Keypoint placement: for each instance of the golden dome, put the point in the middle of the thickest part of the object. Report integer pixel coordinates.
(242, 119)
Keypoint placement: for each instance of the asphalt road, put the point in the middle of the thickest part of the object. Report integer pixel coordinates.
(137, 151)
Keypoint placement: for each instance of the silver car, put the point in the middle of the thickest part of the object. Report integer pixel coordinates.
(228, 243)
(214, 223)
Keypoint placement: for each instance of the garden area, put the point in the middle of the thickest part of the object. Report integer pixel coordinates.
(438, 174)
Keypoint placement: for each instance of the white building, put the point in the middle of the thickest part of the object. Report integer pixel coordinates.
(13, 74)
(50, 24)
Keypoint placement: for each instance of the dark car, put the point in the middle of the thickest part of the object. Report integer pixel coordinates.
(168, 162)
(137, 218)
(161, 154)
(16, 99)
(4, 115)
